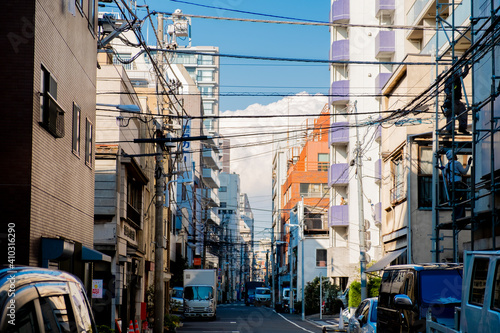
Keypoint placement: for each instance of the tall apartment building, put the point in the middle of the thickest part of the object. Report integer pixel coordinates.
(355, 110)
(47, 180)
(304, 201)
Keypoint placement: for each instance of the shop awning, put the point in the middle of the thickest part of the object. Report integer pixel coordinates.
(89, 254)
(385, 261)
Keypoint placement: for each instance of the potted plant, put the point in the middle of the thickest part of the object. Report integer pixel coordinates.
(170, 323)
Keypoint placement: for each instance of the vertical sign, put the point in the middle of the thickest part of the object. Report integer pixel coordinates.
(96, 288)
(186, 145)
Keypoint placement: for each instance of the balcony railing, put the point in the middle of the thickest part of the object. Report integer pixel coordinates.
(211, 178)
(338, 175)
(340, 11)
(385, 43)
(339, 133)
(398, 193)
(338, 216)
(339, 91)
(339, 50)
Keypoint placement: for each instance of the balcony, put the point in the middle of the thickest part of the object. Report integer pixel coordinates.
(338, 175)
(419, 10)
(339, 133)
(210, 198)
(211, 178)
(384, 7)
(385, 44)
(210, 158)
(338, 216)
(378, 171)
(340, 11)
(339, 92)
(378, 213)
(339, 50)
(210, 216)
(380, 81)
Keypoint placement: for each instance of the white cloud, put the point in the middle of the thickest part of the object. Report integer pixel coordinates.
(253, 162)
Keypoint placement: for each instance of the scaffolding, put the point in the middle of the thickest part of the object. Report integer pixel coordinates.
(481, 37)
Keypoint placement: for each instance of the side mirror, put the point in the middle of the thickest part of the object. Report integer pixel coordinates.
(361, 320)
(403, 302)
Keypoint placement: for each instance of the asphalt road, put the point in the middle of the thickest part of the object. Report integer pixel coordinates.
(238, 318)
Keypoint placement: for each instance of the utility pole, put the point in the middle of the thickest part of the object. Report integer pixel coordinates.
(159, 294)
(362, 241)
(272, 268)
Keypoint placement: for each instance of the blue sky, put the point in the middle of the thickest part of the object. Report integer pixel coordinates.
(261, 39)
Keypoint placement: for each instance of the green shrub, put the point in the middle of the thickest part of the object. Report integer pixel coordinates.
(104, 329)
(354, 294)
(374, 286)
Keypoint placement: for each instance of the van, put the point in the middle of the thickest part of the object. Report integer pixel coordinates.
(177, 300)
(41, 300)
(408, 292)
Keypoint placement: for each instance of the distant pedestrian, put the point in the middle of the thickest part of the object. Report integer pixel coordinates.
(453, 172)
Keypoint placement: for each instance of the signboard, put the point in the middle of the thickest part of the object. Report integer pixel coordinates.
(197, 261)
(96, 288)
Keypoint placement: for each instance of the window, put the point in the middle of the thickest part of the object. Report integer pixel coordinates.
(89, 147)
(478, 283)
(320, 257)
(57, 314)
(323, 160)
(496, 289)
(76, 129)
(25, 320)
(51, 113)
(92, 16)
(79, 4)
(313, 190)
(123, 57)
(206, 91)
(134, 200)
(204, 59)
(223, 189)
(223, 205)
(208, 108)
(205, 76)
(425, 180)
(397, 191)
(82, 311)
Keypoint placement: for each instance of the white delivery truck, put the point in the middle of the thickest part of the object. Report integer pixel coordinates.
(480, 306)
(200, 293)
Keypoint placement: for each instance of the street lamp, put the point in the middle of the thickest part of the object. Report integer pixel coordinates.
(122, 107)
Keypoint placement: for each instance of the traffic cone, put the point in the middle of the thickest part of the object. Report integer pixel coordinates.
(136, 327)
(341, 320)
(131, 327)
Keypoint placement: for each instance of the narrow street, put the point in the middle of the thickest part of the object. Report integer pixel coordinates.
(239, 318)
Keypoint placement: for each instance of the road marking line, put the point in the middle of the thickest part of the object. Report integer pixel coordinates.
(302, 328)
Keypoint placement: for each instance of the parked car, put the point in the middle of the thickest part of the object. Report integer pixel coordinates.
(41, 300)
(286, 298)
(262, 296)
(408, 292)
(364, 318)
(177, 299)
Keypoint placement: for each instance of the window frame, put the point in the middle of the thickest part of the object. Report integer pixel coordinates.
(318, 251)
(76, 131)
(89, 143)
(475, 288)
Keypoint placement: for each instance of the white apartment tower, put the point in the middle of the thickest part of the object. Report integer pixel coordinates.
(360, 53)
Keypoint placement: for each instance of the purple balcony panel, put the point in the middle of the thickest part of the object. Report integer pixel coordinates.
(381, 80)
(339, 132)
(339, 50)
(385, 43)
(378, 170)
(340, 11)
(339, 174)
(338, 216)
(384, 7)
(339, 91)
(378, 212)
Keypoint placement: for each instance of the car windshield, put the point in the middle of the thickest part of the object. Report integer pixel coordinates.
(177, 293)
(263, 291)
(198, 293)
(441, 286)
